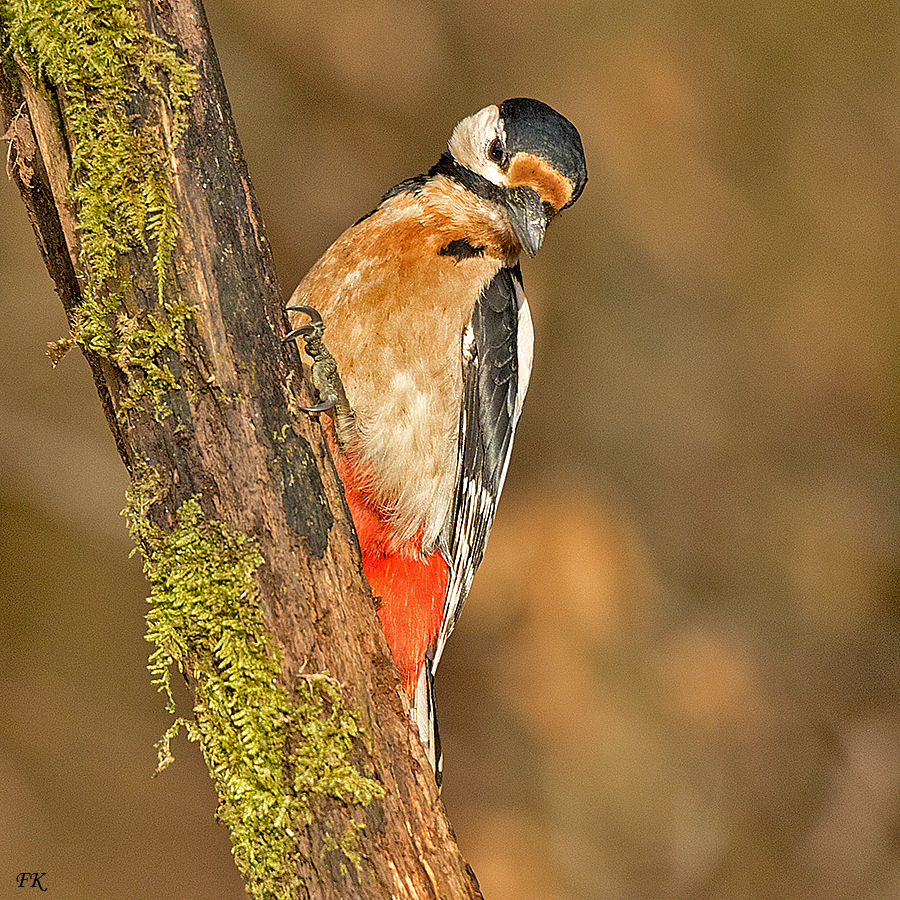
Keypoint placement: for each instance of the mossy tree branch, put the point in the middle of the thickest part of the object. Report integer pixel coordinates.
(124, 150)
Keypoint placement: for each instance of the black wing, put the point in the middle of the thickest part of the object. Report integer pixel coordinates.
(487, 423)
(496, 355)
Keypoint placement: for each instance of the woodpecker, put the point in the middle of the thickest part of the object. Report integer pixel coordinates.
(429, 353)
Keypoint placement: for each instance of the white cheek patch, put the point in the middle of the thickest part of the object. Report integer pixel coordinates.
(470, 141)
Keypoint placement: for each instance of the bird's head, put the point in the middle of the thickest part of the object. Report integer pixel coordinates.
(531, 155)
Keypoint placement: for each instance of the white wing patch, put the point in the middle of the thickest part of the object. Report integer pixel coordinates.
(525, 353)
(525, 347)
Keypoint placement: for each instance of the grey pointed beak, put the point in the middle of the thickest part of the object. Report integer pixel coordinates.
(527, 216)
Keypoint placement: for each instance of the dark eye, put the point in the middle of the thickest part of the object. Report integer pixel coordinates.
(495, 150)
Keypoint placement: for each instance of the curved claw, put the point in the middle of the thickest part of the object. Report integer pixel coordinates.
(302, 331)
(314, 317)
(313, 328)
(324, 406)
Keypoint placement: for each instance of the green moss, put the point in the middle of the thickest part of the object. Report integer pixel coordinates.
(97, 54)
(137, 344)
(346, 845)
(325, 736)
(205, 618)
(6, 54)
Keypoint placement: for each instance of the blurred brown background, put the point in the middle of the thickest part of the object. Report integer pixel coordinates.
(678, 672)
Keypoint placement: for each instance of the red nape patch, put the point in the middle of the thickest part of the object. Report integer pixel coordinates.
(412, 591)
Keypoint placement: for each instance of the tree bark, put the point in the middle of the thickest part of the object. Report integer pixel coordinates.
(233, 439)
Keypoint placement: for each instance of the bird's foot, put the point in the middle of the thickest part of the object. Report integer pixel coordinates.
(325, 376)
